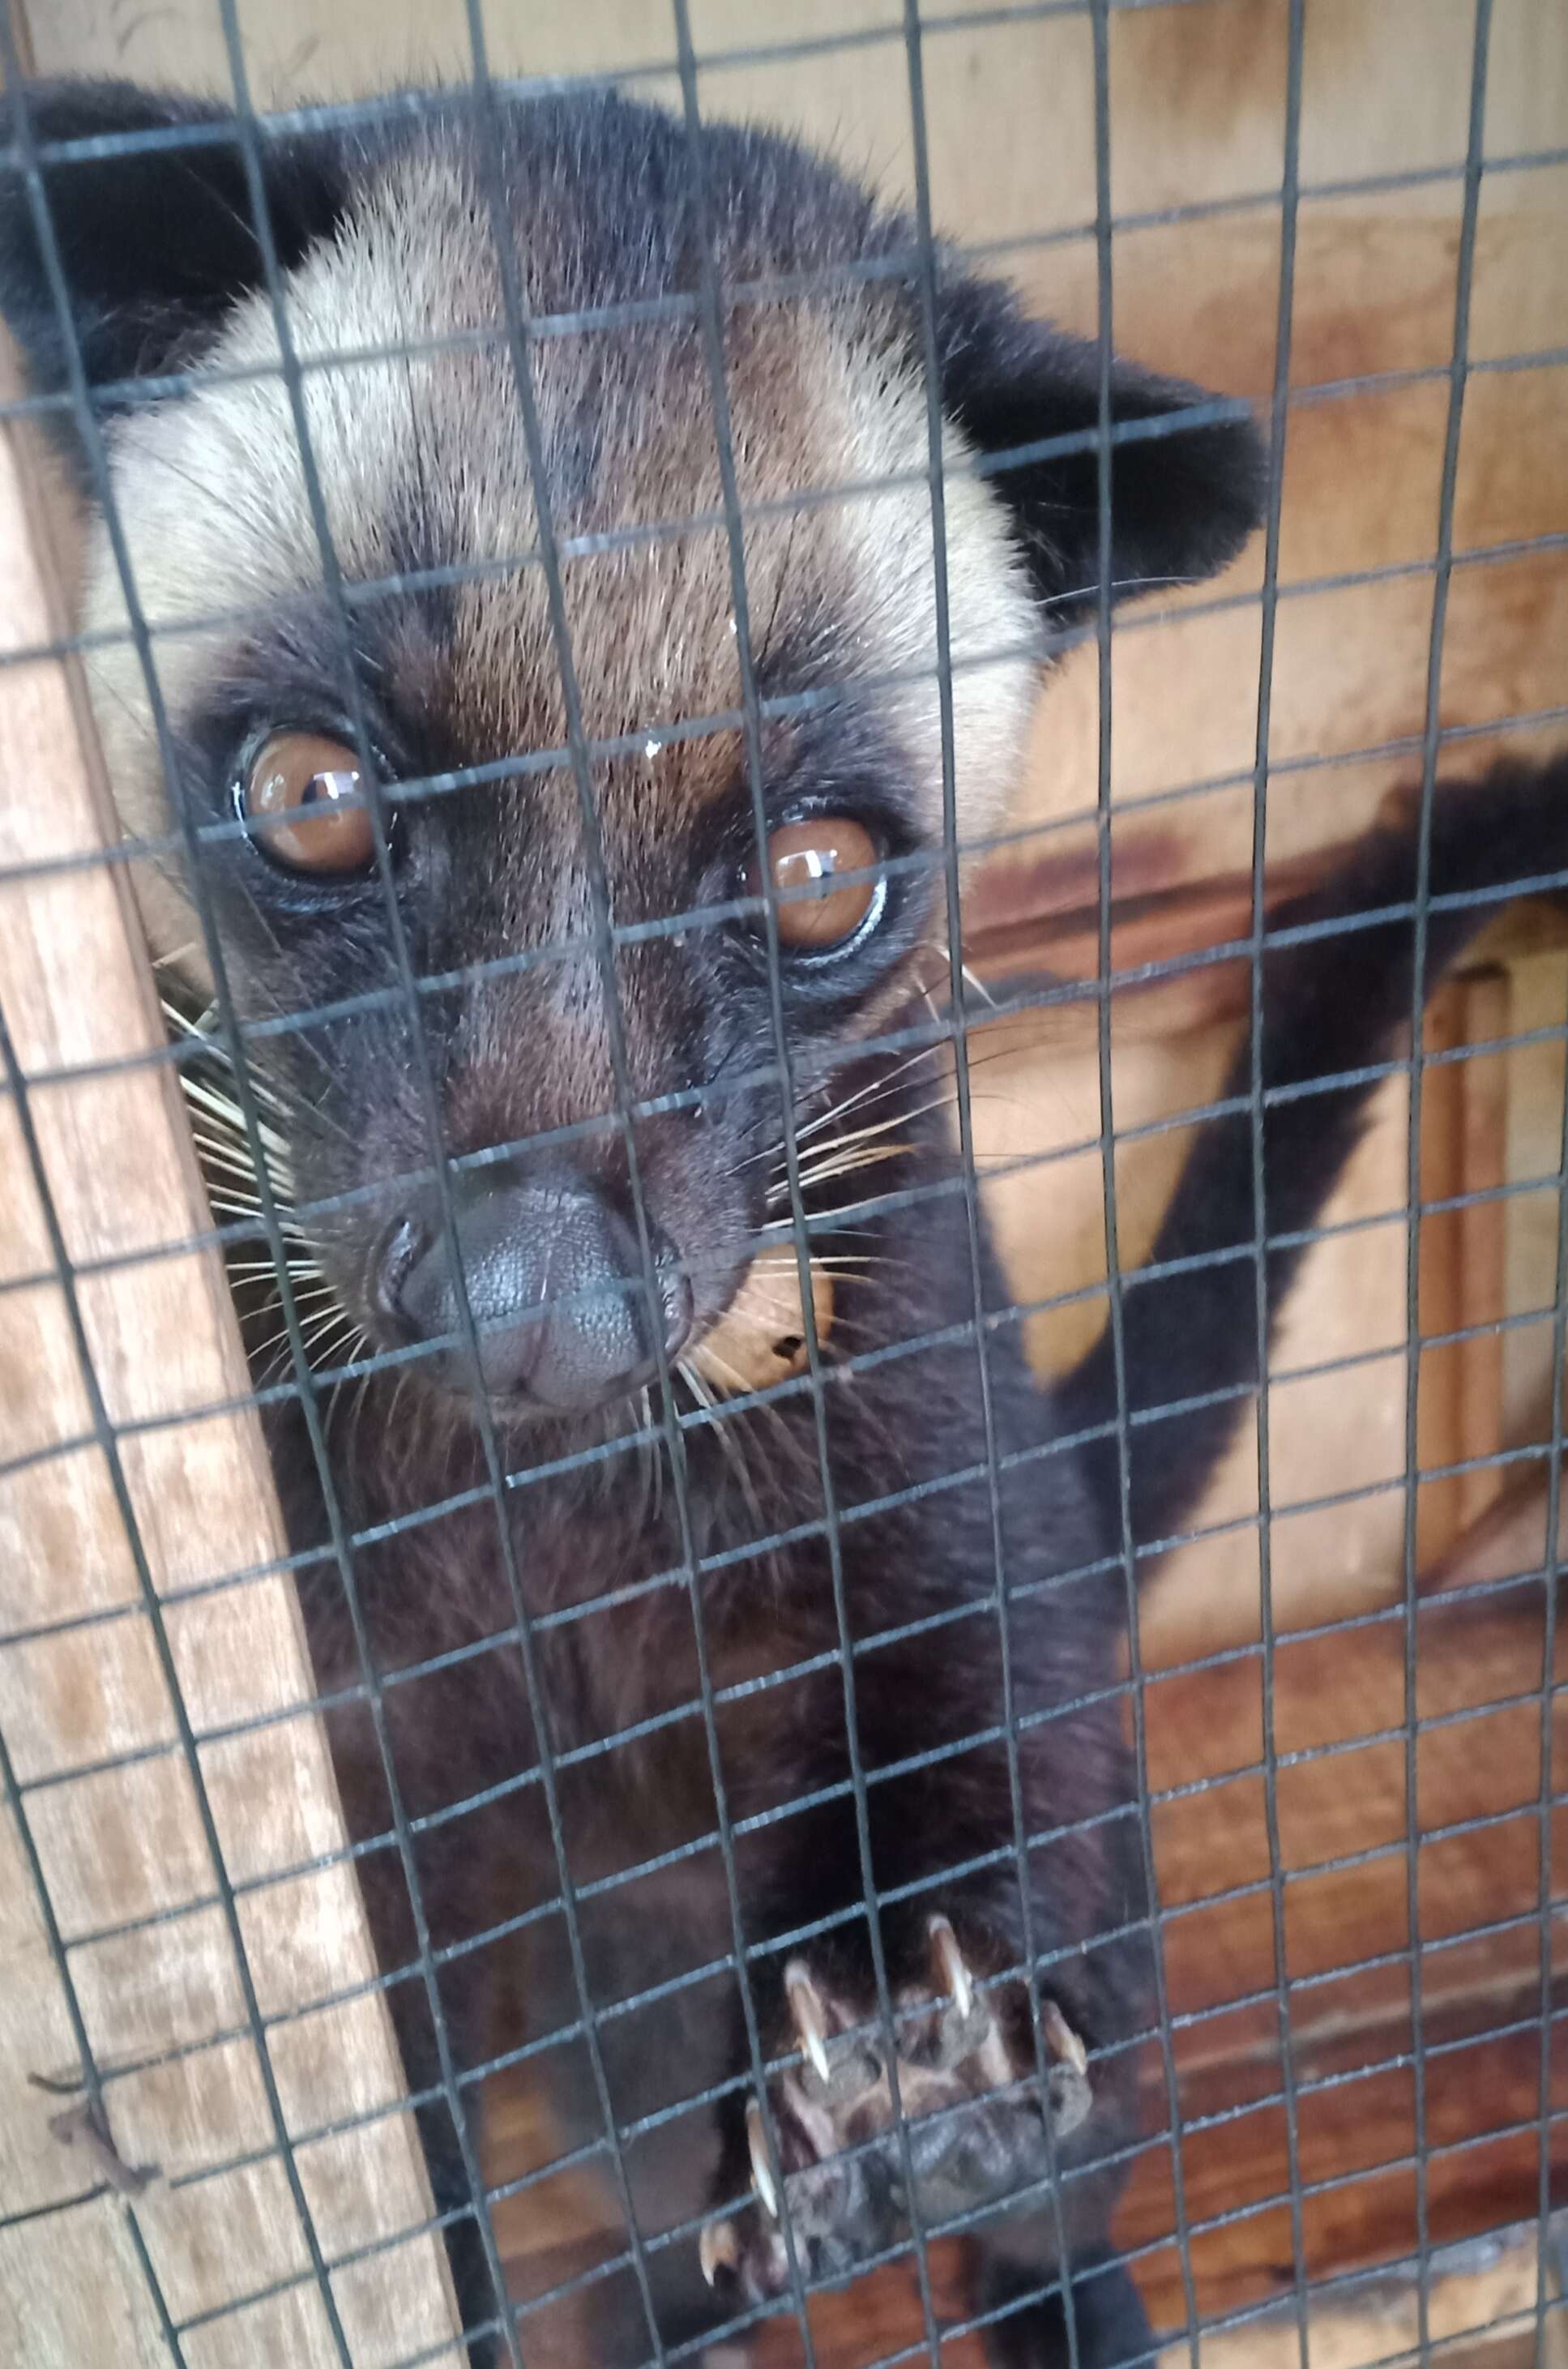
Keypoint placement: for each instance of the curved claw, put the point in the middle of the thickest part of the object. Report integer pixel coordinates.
(718, 2249)
(952, 1974)
(810, 2022)
(761, 2170)
(1062, 2037)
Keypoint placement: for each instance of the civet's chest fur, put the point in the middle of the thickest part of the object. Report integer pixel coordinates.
(700, 1783)
(683, 1645)
(575, 853)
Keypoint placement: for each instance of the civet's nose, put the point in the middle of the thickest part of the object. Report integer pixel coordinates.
(555, 1281)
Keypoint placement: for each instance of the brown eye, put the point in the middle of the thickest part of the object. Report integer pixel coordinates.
(312, 784)
(805, 860)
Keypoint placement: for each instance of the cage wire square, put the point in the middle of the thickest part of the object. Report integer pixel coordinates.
(185, 1768)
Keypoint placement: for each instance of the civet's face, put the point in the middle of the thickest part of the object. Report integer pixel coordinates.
(567, 832)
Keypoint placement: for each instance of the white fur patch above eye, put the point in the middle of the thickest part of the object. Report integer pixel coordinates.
(992, 649)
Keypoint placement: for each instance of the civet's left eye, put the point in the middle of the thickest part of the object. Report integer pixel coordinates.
(819, 908)
(303, 799)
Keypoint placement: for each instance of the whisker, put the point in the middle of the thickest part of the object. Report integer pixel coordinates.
(874, 1089)
(226, 1109)
(306, 1269)
(863, 1134)
(728, 1447)
(782, 1431)
(868, 1156)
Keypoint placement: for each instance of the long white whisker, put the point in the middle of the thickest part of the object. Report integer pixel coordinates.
(845, 1165)
(874, 1089)
(867, 1134)
(305, 1269)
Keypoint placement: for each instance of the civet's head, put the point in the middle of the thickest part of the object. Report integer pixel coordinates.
(463, 288)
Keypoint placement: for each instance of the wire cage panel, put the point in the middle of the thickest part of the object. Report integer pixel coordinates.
(1343, 1684)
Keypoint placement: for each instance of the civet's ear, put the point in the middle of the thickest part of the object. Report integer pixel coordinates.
(1183, 501)
(157, 238)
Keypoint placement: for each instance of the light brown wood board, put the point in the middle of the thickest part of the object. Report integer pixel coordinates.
(111, 1802)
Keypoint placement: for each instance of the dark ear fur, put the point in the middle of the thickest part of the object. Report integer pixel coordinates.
(157, 244)
(1183, 503)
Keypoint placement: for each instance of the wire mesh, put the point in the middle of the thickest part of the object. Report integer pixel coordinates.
(511, 1486)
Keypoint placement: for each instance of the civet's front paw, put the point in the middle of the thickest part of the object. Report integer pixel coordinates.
(974, 2125)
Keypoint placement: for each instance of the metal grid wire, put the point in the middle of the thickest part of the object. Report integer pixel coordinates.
(503, 1486)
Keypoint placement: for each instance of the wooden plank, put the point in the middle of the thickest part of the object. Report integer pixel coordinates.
(1341, 1825)
(1507, 1540)
(1471, 2291)
(110, 1801)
